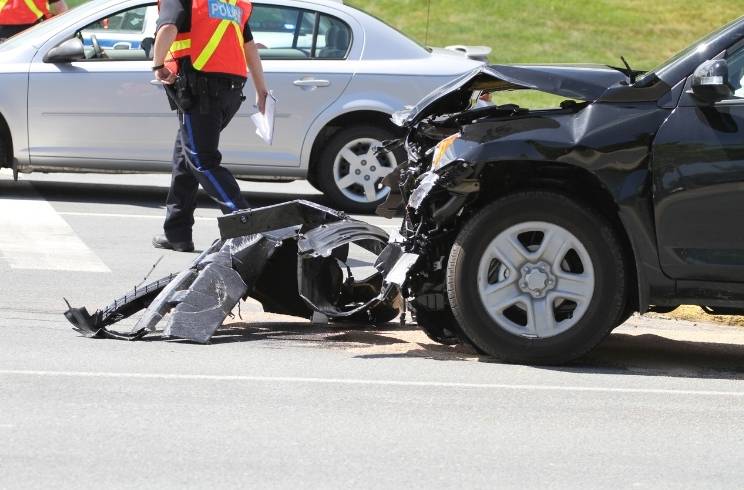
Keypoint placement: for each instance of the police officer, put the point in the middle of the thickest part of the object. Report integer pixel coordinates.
(19, 15)
(208, 44)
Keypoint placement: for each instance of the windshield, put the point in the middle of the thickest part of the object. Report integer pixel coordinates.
(40, 33)
(393, 28)
(700, 44)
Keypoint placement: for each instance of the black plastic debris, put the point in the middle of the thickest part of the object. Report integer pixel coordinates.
(290, 257)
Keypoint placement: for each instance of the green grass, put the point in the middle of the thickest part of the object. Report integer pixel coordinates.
(645, 32)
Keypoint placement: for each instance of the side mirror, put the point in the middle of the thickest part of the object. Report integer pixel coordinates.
(710, 81)
(67, 51)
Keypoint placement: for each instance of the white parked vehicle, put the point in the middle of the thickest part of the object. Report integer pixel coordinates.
(76, 95)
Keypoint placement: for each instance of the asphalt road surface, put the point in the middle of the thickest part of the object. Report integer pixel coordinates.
(275, 402)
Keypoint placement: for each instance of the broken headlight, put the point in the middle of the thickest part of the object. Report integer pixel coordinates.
(441, 154)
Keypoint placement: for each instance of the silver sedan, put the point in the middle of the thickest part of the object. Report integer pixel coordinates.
(77, 95)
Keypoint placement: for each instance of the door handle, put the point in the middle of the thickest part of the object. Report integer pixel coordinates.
(311, 83)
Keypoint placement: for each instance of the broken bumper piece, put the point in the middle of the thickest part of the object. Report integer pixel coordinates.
(290, 257)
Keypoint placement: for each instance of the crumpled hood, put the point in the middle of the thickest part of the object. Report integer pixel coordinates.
(585, 82)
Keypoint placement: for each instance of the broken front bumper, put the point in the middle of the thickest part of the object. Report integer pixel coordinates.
(291, 257)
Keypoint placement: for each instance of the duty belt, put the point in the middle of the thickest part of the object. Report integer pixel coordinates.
(206, 87)
(225, 84)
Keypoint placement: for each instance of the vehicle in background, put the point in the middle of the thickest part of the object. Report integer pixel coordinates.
(124, 30)
(77, 95)
(536, 232)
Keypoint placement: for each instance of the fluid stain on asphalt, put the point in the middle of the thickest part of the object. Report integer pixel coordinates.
(362, 340)
(645, 345)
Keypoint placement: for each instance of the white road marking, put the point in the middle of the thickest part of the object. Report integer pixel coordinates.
(113, 215)
(379, 382)
(34, 236)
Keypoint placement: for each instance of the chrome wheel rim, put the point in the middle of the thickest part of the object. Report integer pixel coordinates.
(536, 279)
(358, 173)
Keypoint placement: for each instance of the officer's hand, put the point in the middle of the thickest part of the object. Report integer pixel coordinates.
(164, 75)
(261, 100)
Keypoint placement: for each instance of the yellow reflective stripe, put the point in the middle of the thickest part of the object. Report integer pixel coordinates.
(3, 3)
(179, 45)
(239, 32)
(214, 41)
(31, 5)
(238, 29)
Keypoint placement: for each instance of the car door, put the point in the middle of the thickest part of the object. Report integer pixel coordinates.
(698, 166)
(102, 111)
(306, 72)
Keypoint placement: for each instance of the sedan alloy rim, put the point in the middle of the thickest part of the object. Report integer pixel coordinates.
(358, 173)
(536, 279)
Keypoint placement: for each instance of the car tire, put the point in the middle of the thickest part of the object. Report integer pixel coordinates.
(551, 271)
(3, 160)
(349, 174)
(440, 326)
(627, 313)
(312, 179)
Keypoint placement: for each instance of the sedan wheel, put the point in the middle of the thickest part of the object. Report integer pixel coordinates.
(536, 278)
(348, 171)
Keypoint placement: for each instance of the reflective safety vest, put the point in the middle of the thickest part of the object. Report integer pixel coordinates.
(19, 12)
(215, 43)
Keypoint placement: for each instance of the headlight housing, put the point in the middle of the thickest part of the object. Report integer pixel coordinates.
(441, 156)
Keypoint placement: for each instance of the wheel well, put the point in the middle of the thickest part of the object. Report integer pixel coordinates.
(374, 117)
(506, 177)
(6, 144)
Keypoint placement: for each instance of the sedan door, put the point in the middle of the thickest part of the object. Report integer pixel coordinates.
(308, 58)
(101, 112)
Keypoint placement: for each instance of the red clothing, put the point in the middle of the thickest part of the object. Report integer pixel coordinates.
(215, 42)
(18, 12)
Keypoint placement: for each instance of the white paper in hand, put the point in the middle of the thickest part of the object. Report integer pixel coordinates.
(265, 122)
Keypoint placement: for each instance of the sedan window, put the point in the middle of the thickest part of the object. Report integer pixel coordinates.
(289, 33)
(126, 35)
(334, 38)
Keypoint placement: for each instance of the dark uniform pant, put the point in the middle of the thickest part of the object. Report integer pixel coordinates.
(196, 161)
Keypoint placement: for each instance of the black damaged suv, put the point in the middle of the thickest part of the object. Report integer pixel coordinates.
(542, 230)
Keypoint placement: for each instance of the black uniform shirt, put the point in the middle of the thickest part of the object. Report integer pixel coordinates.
(178, 13)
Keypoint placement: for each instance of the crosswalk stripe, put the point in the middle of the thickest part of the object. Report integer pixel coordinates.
(34, 236)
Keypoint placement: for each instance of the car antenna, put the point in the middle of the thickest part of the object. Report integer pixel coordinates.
(630, 72)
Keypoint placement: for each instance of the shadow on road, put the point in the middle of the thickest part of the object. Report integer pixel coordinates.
(620, 353)
(144, 196)
(654, 355)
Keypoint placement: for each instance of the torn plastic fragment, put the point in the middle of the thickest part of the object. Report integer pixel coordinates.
(289, 257)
